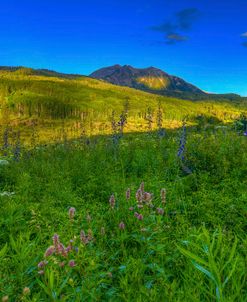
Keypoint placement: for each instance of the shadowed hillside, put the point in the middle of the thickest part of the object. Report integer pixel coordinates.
(54, 102)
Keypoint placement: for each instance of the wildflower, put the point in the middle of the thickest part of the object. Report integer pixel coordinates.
(128, 194)
(41, 272)
(245, 133)
(142, 187)
(147, 196)
(139, 195)
(112, 201)
(140, 206)
(144, 230)
(72, 263)
(140, 217)
(160, 211)
(49, 251)
(42, 264)
(26, 291)
(83, 237)
(131, 209)
(121, 225)
(71, 213)
(163, 195)
(55, 239)
(5, 299)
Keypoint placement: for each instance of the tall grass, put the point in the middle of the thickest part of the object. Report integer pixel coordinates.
(187, 245)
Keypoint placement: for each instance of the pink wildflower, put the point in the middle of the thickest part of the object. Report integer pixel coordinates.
(136, 214)
(121, 225)
(72, 263)
(131, 209)
(41, 272)
(112, 201)
(140, 217)
(160, 211)
(139, 196)
(50, 251)
(147, 196)
(42, 264)
(71, 213)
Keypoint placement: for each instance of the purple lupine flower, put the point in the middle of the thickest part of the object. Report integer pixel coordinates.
(71, 213)
(245, 133)
(121, 225)
(72, 263)
(160, 211)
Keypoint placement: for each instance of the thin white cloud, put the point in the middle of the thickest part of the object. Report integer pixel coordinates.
(244, 35)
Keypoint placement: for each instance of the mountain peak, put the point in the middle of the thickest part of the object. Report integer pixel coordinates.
(149, 79)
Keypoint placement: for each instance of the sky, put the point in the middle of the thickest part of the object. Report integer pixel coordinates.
(203, 41)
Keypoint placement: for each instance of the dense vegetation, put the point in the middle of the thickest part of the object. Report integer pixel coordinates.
(70, 230)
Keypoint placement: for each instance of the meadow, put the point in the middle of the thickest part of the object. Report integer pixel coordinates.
(151, 208)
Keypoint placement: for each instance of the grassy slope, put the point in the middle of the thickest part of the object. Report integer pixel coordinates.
(47, 100)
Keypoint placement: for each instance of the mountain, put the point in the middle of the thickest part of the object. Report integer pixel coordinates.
(156, 81)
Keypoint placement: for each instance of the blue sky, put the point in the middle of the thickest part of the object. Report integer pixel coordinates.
(203, 41)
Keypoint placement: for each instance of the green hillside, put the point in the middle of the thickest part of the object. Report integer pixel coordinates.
(49, 104)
